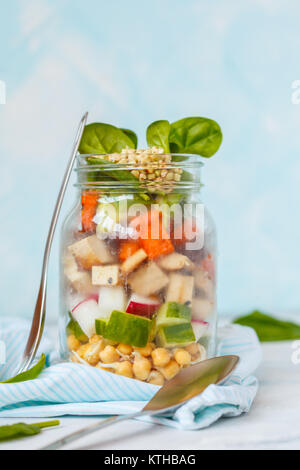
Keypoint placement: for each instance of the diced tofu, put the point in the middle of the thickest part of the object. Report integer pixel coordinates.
(204, 284)
(133, 261)
(180, 289)
(175, 262)
(91, 251)
(201, 308)
(105, 275)
(81, 281)
(148, 280)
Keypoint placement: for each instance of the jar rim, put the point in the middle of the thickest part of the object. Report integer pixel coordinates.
(184, 160)
(113, 174)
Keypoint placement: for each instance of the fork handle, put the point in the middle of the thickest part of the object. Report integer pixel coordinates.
(39, 316)
(90, 429)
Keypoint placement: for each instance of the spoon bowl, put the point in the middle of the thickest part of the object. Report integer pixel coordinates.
(192, 381)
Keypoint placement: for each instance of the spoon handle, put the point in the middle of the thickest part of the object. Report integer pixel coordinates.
(90, 429)
(38, 320)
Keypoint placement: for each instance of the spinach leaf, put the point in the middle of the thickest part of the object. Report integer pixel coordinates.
(269, 328)
(195, 135)
(158, 135)
(15, 431)
(132, 135)
(30, 374)
(103, 138)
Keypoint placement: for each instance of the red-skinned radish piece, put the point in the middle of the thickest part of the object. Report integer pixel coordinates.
(85, 313)
(200, 328)
(143, 306)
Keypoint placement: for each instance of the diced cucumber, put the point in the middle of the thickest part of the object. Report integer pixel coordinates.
(175, 335)
(73, 328)
(128, 329)
(101, 326)
(173, 313)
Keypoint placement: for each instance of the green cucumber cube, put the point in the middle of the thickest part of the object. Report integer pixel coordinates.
(73, 328)
(175, 335)
(128, 329)
(101, 326)
(173, 313)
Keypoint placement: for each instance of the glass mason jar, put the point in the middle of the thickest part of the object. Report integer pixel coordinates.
(138, 267)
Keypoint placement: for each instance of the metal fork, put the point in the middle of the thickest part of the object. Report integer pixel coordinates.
(38, 320)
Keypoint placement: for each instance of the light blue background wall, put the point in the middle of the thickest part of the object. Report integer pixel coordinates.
(132, 62)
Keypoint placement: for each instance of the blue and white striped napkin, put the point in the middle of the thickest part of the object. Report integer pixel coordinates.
(75, 389)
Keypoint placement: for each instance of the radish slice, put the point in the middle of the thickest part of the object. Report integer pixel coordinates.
(92, 297)
(85, 313)
(199, 328)
(143, 306)
(110, 299)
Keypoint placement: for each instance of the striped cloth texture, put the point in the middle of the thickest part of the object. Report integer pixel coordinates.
(80, 390)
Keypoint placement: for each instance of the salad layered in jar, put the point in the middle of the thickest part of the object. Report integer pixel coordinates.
(138, 261)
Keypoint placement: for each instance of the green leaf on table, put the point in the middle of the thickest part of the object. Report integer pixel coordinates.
(18, 430)
(158, 135)
(30, 374)
(103, 138)
(196, 135)
(132, 136)
(269, 328)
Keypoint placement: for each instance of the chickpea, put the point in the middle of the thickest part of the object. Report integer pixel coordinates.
(161, 357)
(170, 370)
(193, 349)
(156, 378)
(82, 350)
(182, 357)
(108, 342)
(73, 343)
(146, 351)
(141, 368)
(125, 349)
(94, 339)
(109, 354)
(107, 369)
(92, 353)
(75, 359)
(125, 369)
(202, 354)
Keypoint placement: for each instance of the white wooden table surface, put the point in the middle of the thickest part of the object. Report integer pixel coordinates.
(273, 423)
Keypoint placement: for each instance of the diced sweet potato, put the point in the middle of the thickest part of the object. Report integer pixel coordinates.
(105, 275)
(91, 251)
(180, 288)
(81, 281)
(175, 262)
(201, 308)
(133, 261)
(148, 280)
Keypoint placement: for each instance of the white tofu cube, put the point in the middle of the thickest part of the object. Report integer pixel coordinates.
(148, 280)
(81, 281)
(181, 289)
(204, 284)
(91, 251)
(175, 262)
(105, 275)
(133, 261)
(202, 308)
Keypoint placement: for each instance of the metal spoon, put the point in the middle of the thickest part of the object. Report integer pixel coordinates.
(38, 320)
(189, 383)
